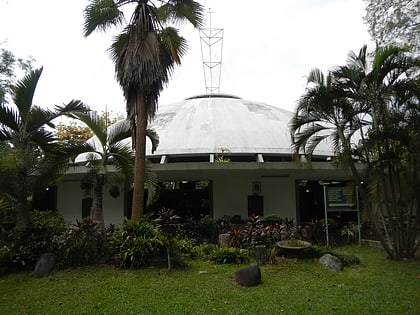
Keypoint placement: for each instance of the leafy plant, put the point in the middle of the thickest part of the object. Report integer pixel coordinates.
(40, 236)
(350, 231)
(273, 219)
(290, 231)
(168, 223)
(314, 231)
(228, 255)
(83, 244)
(136, 243)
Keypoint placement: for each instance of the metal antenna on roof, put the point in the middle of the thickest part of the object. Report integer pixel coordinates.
(211, 40)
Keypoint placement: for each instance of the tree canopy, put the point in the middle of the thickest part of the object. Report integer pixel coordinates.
(369, 110)
(394, 22)
(145, 54)
(9, 64)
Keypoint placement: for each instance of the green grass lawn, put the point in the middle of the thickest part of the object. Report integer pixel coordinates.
(377, 286)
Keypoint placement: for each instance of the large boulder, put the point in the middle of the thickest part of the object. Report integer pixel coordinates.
(331, 262)
(248, 276)
(45, 265)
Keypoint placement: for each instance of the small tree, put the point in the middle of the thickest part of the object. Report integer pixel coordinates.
(36, 153)
(168, 223)
(107, 148)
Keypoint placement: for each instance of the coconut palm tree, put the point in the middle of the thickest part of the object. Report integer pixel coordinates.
(106, 148)
(368, 108)
(27, 128)
(144, 53)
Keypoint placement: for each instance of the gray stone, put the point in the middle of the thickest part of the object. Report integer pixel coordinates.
(331, 262)
(248, 276)
(45, 265)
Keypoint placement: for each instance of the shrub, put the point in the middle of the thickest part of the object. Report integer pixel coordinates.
(41, 236)
(229, 255)
(83, 244)
(186, 247)
(350, 232)
(136, 243)
(207, 228)
(273, 219)
(4, 259)
(256, 232)
(314, 231)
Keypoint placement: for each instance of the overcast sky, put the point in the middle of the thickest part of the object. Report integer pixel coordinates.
(269, 47)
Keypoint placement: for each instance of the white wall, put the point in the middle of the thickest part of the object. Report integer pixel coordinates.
(69, 200)
(69, 203)
(230, 196)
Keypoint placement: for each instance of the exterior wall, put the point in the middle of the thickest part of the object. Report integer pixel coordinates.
(113, 208)
(230, 196)
(69, 203)
(69, 200)
(279, 197)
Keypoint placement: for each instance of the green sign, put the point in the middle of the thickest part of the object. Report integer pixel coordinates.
(339, 199)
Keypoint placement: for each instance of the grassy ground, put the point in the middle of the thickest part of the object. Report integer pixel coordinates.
(377, 286)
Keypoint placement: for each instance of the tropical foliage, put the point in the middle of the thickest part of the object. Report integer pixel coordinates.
(144, 53)
(369, 111)
(106, 149)
(36, 157)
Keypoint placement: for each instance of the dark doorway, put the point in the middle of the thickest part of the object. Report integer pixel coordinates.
(311, 201)
(188, 198)
(255, 206)
(86, 205)
(45, 198)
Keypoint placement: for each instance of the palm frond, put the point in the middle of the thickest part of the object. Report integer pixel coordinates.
(39, 117)
(10, 122)
(123, 158)
(151, 181)
(154, 138)
(101, 15)
(96, 124)
(119, 131)
(23, 92)
(74, 106)
(179, 11)
(175, 45)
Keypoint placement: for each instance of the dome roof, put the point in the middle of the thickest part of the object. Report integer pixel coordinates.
(219, 123)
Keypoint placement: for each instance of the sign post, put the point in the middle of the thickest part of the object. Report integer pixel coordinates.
(338, 199)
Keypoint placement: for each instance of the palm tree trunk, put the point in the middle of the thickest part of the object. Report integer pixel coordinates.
(137, 209)
(97, 214)
(22, 210)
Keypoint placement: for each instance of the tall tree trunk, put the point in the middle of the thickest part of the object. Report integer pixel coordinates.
(22, 210)
(137, 209)
(97, 213)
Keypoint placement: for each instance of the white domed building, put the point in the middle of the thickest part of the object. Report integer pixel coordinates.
(221, 155)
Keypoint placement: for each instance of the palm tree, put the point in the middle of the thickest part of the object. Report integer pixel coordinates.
(26, 128)
(368, 109)
(145, 53)
(107, 148)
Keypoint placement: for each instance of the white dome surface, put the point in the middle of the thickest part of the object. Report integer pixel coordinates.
(212, 123)
(216, 124)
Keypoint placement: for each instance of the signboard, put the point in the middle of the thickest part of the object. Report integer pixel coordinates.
(338, 199)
